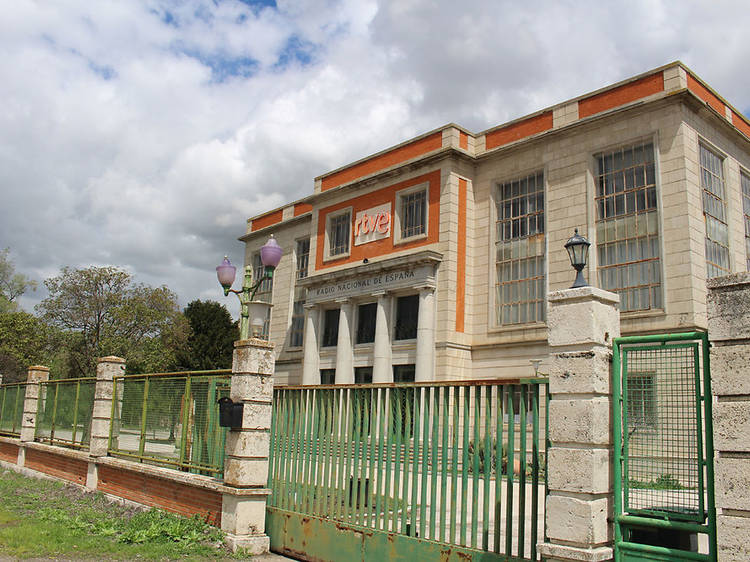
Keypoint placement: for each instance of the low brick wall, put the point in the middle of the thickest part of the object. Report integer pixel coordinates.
(155, 491)
(60, 466)
(8, 452)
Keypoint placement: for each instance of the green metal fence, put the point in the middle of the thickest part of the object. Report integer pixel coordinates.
(664, 489)
(64, 412)
(437, 467)
(12, 397)
(170, 419)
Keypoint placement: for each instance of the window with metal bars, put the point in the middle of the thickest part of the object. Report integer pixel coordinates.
(641, 399)
(745, 181)
(407, 317)
(413, 209)
(297, 325)
(366, 317)
(627, 227)
(303, 257)
(328, 376)
(520, 251)
(715, 213)
(339, 233)
(265, 290)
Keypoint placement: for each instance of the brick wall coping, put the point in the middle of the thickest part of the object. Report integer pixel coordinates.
(185, 478)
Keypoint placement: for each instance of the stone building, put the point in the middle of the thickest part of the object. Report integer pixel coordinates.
(431, 260)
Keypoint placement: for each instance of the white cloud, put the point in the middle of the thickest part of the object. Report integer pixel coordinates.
(143, 134)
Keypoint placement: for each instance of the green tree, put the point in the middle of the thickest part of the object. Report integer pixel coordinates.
(24, 340)
(105, 313)
(212, 336)
(12, 284)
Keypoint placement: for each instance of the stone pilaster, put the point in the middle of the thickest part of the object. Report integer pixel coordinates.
(247, 448)
(729, 333)
(101, 418)
(424, 370)
(311, 358)
(582, 324)
(344, 354)
(382, 369)
(36, 374)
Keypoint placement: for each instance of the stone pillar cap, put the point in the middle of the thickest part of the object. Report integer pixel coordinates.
(38, 368)
(111, 359)
(254, 342)
(583, 293)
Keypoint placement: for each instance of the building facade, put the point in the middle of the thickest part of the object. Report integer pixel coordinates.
(432, 259)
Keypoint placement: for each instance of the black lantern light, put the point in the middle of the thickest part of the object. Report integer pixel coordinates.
(578, 250)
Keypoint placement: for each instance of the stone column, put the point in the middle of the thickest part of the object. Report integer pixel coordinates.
(729, 333)
(424, 369)
(36, 374)
(582, 324)
(344, 355)
(382, 369)
(243, 510)
(311, 357)
(101, 418)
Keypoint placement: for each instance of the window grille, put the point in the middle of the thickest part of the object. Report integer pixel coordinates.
(328, 376)
(520, 251)
(303, 257)
(265, 290)
(714, 211)
(338, 234)
(627, 227)
(414, 213)
(297, 329)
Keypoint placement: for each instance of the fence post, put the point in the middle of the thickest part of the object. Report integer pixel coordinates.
(36, 374)
(243, 512)
(729, 333)
(582, 323)
(106, 369)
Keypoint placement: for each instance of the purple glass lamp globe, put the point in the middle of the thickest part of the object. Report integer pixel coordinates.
(270, 253)
(226, 273)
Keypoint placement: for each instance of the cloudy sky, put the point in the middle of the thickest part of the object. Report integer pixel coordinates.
(142, 134)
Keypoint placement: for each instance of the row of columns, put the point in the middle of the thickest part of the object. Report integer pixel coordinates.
(382, 370)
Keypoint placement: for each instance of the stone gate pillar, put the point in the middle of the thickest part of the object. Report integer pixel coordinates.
(101, 417)
(243, 511)
(582, 324)
(729, 334)
(36, 374)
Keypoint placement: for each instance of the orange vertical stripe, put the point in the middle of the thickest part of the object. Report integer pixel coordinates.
(461, 261)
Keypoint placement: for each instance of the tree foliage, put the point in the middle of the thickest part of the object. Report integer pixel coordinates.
(24, 340)
(105, 313)
(212, 336)
(12, 284)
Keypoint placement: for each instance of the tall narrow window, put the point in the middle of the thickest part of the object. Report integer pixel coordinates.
(745, 180)
(303, 257)
(331, 327)
(366, 314)
(715, 213)
(264, 291)
(627, 227)
(339, 233)
(297, 327)
(413, 213)
(520, 251)
(407, 315)
(328, 376)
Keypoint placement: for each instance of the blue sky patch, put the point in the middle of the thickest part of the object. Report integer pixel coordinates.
(297, 51)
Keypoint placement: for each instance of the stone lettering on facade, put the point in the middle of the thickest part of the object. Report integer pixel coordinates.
(382, 281)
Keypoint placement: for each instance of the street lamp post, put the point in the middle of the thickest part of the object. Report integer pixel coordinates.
(252, 312)
(578, 251)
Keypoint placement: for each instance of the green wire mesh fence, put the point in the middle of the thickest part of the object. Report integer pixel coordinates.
(11, 408)
(170, 419)
(64, 412)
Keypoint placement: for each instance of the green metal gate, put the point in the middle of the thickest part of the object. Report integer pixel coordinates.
(664, 488)
(409, 471)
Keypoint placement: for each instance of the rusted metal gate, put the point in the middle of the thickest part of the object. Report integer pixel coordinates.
(440, 471)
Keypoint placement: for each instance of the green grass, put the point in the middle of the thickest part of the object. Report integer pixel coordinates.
(46, 519)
